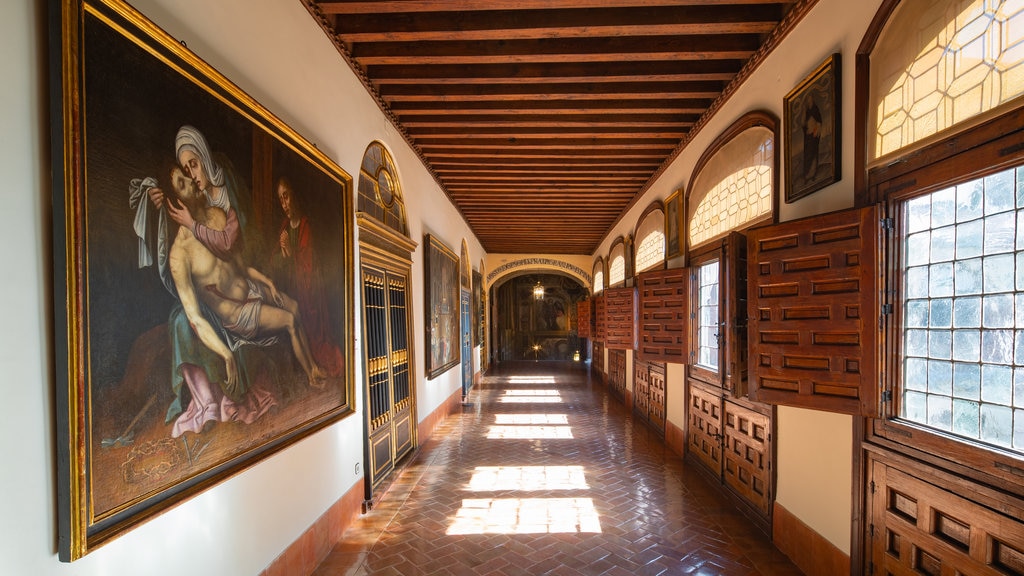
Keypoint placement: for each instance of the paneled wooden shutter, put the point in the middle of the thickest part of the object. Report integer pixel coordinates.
(814, 314)
(664, 310)
(599, 318)
(620, 318)
(734, 313)
(584, 318)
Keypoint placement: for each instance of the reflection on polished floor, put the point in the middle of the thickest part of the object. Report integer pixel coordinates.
(547, 474)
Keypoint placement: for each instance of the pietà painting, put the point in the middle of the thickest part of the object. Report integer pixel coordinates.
(203, 266)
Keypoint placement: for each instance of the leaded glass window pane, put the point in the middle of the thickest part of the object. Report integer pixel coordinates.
(963, 310)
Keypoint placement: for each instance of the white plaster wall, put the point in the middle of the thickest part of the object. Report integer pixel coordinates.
(831, 26)
(279, 56)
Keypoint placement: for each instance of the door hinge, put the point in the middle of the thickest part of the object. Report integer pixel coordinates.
(886, 309)
(886, 397)
(887, 224)
(871, 530)
(872, 486)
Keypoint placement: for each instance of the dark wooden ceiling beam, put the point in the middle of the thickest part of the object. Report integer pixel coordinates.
(405, 6)
(658, 71)
(554, 50)
(568, 23)
(669, 106)
(560, 91)
(514, 131)
(543, 144)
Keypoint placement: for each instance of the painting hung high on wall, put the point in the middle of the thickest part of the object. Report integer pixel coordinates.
(673, 221)
(441, 283)
(203, 257)
(811, 123)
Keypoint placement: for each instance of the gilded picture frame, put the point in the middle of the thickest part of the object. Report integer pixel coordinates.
(674, 224)
(812, 124)
(441, 283)
(203, 257)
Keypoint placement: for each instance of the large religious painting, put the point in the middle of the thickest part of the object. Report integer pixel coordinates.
(441, 282)
(203, 264)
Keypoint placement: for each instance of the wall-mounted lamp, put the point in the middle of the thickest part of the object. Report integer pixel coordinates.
(538, 291)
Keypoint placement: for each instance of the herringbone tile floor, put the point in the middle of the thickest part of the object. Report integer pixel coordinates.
(546, 474)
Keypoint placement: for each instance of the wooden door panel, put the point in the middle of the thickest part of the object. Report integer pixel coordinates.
(599, 319)
(656, 406)
(917, 527)
(641, 389)
(747, 456)
(584, 318)
(617, 373)
(813, 312)
(704, 427)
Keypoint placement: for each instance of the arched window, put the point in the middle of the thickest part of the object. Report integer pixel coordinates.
(617, 263)
(650, 238)
(940, 64)
(380, 194)
(734, 186)
(598, 276)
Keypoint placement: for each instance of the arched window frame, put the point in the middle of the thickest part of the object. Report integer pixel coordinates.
(650, 238)
(752, 120)
(379, 192)
(618, 263)
(599, 275)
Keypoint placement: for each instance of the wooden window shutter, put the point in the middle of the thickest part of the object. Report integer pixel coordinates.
(599, 318)
(734, 313)
(664, 310)
(813, 312)
(584, 318)
(621, 318)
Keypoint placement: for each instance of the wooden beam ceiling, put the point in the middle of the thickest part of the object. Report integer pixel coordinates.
(543, 120)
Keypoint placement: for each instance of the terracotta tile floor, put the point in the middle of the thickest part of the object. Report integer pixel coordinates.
(546, 474)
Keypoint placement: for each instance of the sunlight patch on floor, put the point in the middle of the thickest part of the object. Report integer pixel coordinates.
(488, 478)
(526, 516)
(519, 432)
(531, 380)
(531, 396)
(531, 419)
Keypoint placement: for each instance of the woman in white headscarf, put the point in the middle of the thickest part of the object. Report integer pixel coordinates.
(195, 158)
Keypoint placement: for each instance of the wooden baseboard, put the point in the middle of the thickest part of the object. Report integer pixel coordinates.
(811, 552)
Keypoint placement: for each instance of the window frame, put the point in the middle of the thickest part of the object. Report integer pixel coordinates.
(974, 149)
(695, 370)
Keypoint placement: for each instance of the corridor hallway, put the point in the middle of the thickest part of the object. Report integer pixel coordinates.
(546, 474)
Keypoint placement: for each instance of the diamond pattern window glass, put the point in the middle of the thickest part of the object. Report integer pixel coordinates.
(963, 309)
(650, 249)
(617, 265)
(598, 282)
(941, 62)
(733, 188)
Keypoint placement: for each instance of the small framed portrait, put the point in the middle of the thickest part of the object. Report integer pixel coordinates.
(812, 131)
